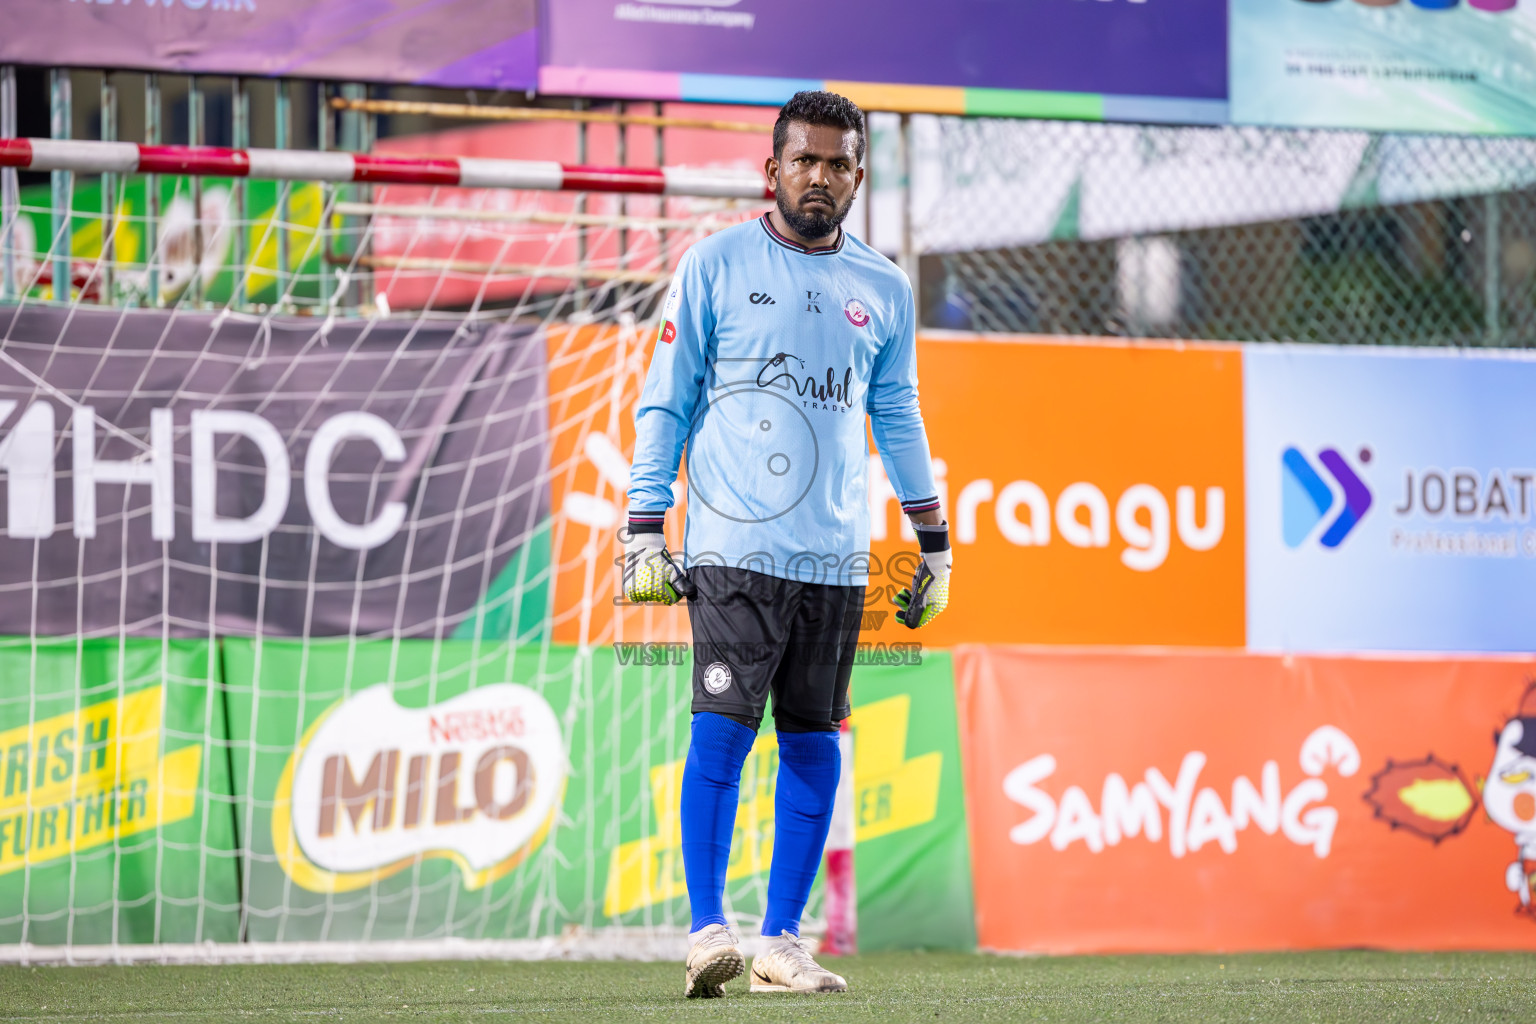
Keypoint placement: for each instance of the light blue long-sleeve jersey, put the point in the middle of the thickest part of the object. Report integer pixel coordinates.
(770, 355)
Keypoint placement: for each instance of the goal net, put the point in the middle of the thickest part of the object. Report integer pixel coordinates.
(308, 618)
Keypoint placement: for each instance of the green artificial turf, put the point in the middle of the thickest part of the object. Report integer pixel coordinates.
(1326, 987)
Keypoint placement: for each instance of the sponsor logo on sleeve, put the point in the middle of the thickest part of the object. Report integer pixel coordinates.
(669, 311)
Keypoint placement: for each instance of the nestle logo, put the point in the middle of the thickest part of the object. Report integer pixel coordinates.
(479, 724)
(1306, 498)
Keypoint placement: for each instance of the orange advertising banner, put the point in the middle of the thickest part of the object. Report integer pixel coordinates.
(594, 377)
(1094, 491)
(1167, 802)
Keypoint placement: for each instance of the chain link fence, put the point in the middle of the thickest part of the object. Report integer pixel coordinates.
(1240, 234)
(1053, 227)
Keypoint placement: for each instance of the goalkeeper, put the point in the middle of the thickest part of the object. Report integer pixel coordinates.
(778, 336)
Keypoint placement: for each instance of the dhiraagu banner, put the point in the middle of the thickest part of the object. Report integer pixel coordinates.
(115, 821)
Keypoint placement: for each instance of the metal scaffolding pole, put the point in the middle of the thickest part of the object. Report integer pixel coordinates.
(580, 298)
(9, 201)
(240, 138)
(152, 113)
(109, 184)
(60, 122)
(326, 119)
(282, 120)
(195, 138)
(352, 138)
(1492, 253)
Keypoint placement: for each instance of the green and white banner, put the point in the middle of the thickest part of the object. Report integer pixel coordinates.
(265, 790)
(116, 823)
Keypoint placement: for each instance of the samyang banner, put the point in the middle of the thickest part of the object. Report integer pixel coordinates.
(1164, 802)
(484, 44)
(186, 474)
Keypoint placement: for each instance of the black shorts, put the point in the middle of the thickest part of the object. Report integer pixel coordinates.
(754, 634)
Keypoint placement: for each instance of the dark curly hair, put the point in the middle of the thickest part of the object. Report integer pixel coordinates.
(821, 108)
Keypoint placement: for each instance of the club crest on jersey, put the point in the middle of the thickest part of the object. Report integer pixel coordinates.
(855, 312)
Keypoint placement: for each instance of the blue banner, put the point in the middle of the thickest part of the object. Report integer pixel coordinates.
(1419, 66)
(1391, 500)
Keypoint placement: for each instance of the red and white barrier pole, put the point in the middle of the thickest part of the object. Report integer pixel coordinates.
(86, 157)
(842, 938)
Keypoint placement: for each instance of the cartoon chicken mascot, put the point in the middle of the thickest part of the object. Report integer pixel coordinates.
(1509, 794)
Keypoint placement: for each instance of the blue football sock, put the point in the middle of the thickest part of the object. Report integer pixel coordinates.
(809, 764)
(717, 749)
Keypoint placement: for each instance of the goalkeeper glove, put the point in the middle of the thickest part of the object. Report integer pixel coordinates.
(929, 594)
(650, 575)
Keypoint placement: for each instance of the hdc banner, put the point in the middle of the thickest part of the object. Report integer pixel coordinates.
(1169, 802)
(191, 473)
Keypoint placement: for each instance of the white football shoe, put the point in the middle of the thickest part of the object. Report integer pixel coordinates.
(787, 967)
(714, 959)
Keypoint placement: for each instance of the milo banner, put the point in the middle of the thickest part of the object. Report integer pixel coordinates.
(1225, 801)
(416, 789)
(183, 474)
(115, 818)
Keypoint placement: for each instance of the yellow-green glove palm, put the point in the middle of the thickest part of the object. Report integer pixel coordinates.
(928, 596)
(650, 575)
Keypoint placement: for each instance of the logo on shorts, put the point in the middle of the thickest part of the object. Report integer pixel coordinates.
(717, 677)
(855, 312)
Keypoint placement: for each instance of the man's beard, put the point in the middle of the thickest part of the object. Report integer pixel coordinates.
(812, 224)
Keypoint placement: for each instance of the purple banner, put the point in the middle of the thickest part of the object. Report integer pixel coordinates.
(484, 44)
(1163, 48)
(179, 474)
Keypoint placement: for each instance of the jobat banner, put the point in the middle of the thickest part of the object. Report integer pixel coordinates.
(1159, 802)
(486, 44)
(186, 474)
